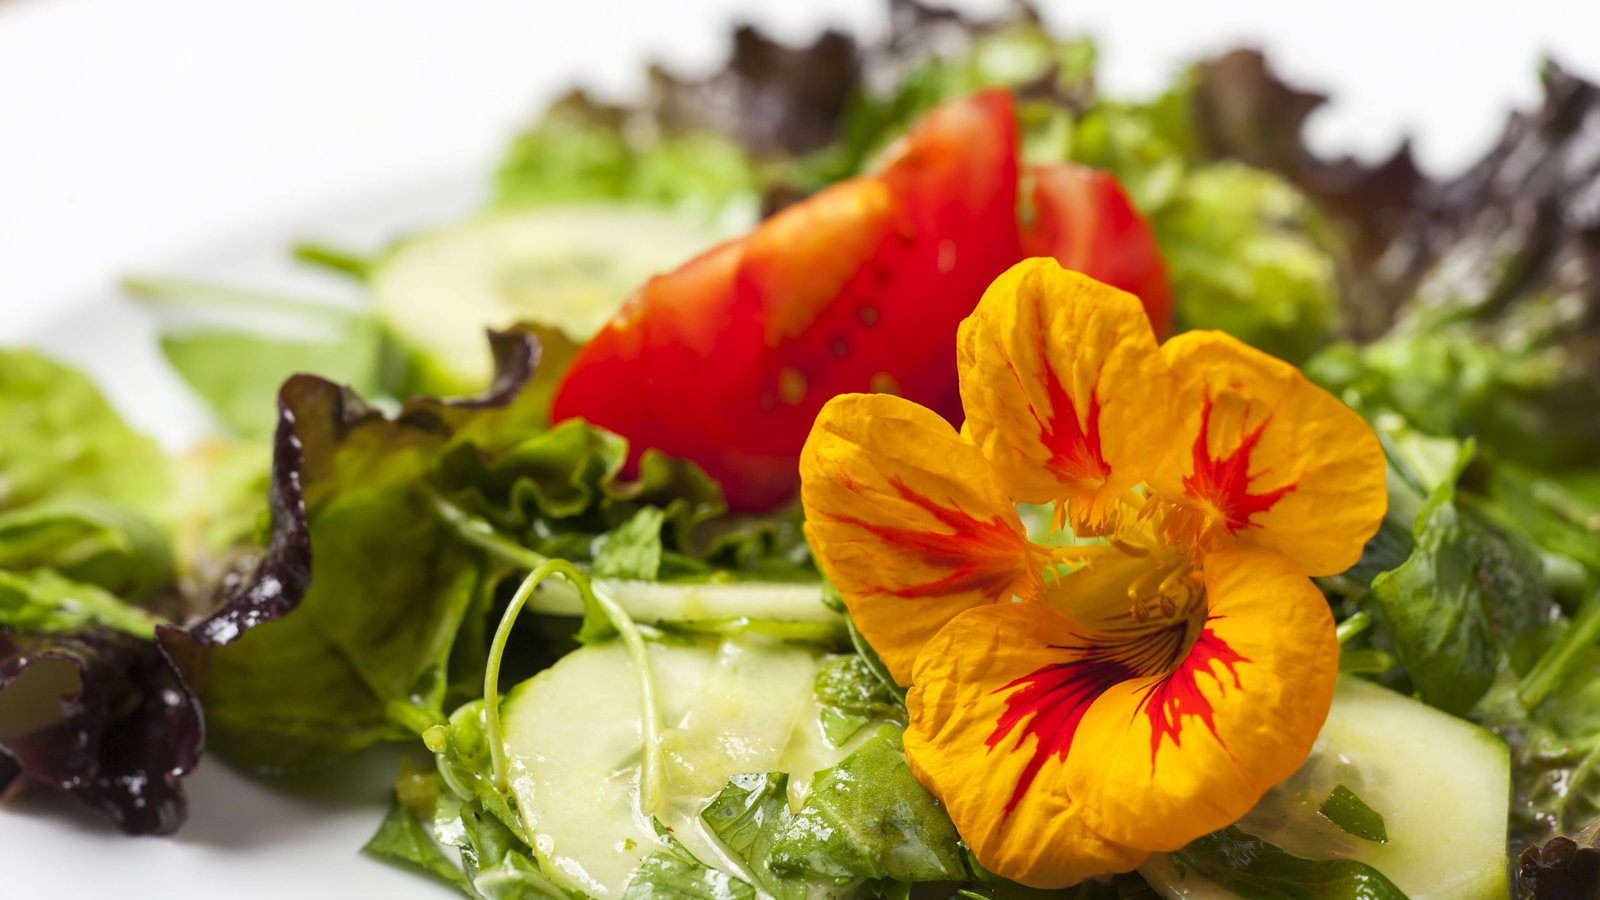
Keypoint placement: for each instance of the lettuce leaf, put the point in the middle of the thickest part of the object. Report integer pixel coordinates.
(407, 834)
(368, 654)
(869, 817)
(850, 695)
(234, 346)
(94, 676)
(237, 374)
(43, 602)
(104, 716)
(103, 545)
(1483, 301)
(1247, 254)
(583, 152)
(1565, 868)
(673, 872)
(1468, 593)
(747, 815)
(60, 439)
(1250, 867)
(391, 633)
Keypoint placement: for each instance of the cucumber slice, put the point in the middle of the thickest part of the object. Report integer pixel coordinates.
(1441, 784)
(734, 706)
(655, 601)
(568, 268)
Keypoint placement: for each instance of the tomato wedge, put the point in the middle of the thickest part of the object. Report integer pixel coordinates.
(1081, 217)
(727, 360)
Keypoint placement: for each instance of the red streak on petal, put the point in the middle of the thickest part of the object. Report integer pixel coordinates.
(1053, 700)
(1075, 455)
(1225, 483)
(986, 556)
(1177, 696)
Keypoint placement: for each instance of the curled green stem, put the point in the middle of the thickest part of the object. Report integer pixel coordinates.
(480, 534)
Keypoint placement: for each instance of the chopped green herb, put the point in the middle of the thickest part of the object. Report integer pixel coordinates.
(1344, 809)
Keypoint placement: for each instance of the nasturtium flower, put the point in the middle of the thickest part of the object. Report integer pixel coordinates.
(1144, 680)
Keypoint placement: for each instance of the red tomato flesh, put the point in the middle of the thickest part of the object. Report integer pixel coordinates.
(727, 360)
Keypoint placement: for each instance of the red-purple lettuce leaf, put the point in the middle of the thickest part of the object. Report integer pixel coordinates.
(1490, 295)
(109, 716)
(128, 728)
(1565, 868)
(1239, 109)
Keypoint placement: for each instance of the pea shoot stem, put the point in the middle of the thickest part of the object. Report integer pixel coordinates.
(481, 534)
(177, 291)
(1360, 621)
(1552, 667)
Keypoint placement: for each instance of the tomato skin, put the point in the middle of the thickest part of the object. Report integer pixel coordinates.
(1082, 217)
(631, 376)
(727, 360)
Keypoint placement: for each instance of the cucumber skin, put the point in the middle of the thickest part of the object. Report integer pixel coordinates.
(1437, 834)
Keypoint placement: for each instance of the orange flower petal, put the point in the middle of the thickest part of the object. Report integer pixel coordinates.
(1064, 388)
(991, 744)
(1268, 459)
(1156, 764)
(907, 521)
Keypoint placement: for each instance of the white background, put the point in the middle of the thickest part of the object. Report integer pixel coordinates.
(131, 130)
(134, 131)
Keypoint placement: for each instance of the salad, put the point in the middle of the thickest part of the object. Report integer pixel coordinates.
(892, 470)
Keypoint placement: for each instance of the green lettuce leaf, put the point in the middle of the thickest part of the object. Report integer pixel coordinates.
(869, 817)
(582, 151)
(405, 838)
(1150, 146)
(1555, 747)
(60, 439)
(673, 872)
(850, 695)
(748, 815)
(237, 374)
(220, 514)
(1253, 869)
(368, 654)
(86, 541)
(43, 602)
(632, 549)
(562, 493)
(1456, 608)
(1247, 255)
(235, 346)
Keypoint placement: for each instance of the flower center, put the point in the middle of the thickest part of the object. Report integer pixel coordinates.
(1171, 590)
(1165, 536)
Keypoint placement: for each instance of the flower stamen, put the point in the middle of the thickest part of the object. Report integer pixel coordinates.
(1130, 548)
